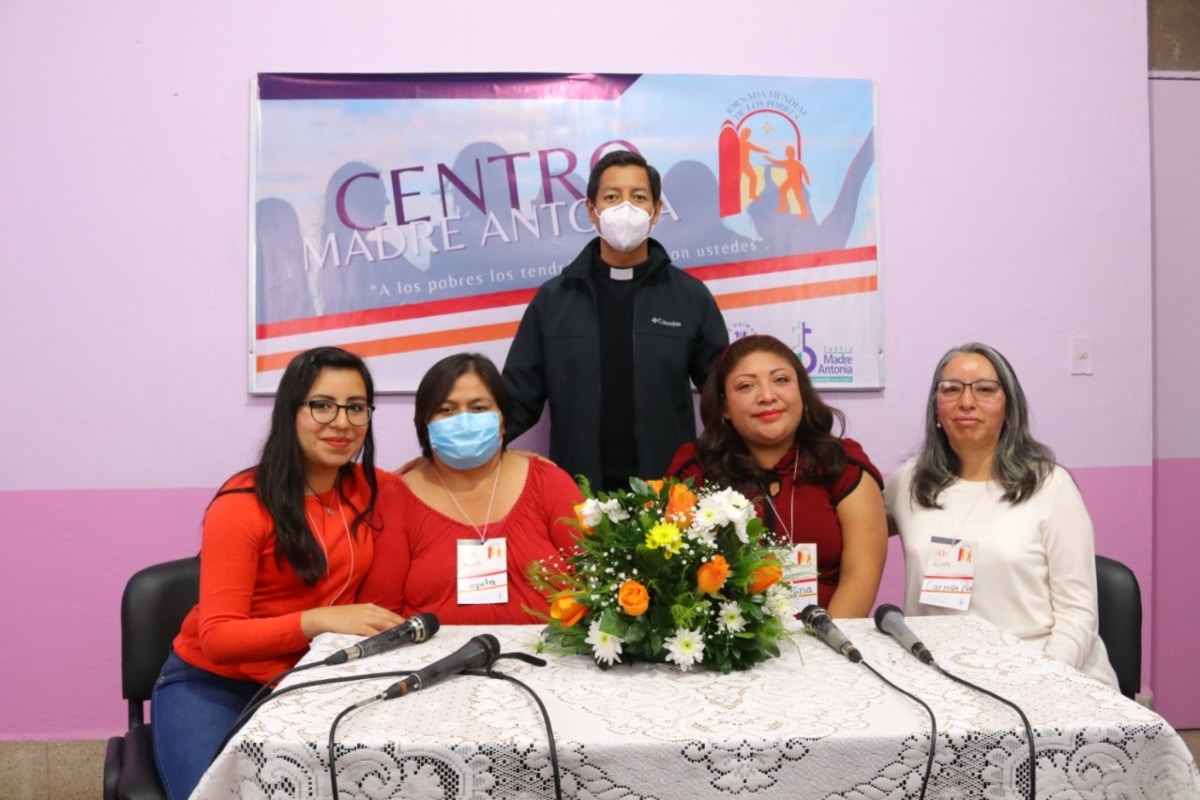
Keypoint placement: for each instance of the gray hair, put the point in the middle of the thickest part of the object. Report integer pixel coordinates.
(1020, 463)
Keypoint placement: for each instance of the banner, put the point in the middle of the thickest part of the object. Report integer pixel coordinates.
(408, 217)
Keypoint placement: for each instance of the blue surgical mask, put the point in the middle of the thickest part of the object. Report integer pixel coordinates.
(466, 440)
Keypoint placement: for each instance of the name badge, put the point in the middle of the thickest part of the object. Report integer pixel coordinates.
(801, 573)
(482, 571)
(949, 573)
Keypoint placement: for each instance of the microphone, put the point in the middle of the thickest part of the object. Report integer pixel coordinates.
(890, 620)
(819, 620)
(416, 628)
(479, 653)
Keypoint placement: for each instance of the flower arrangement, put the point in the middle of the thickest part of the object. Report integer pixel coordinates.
(662, 573)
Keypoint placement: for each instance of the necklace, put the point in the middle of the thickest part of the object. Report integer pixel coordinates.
(321, 539)
(487, 520)
(774, 489)
(327, 506)
(957, 525)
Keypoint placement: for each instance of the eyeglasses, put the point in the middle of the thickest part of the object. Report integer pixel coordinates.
(326, 411)
(985, 391)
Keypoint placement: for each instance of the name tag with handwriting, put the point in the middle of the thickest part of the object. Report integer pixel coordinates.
(482, 571)
(949, 573)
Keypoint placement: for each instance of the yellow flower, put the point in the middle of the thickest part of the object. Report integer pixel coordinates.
(634, 598)
(712, 574)
(667, 536)
(566, 609)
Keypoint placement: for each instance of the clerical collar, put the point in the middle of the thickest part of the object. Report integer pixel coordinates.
(601, 269)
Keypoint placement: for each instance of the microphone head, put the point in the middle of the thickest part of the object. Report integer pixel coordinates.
(489, 649)
(424, 626)
(883, 611)
(810, 611)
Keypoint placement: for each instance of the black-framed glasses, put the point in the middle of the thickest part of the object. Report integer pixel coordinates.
(984, 390)
(326, 411)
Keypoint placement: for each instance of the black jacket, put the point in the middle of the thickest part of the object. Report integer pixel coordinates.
(678, 332)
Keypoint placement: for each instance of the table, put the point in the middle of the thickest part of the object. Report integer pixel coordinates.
(806, 725)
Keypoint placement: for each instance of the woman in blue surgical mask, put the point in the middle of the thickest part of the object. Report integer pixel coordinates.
(462, 526)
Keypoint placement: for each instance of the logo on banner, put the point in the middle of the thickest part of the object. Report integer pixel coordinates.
(740, 330)
(837, 365)
(807, 356)
(760, 144)
(833, 364)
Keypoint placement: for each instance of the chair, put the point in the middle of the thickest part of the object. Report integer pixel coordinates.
(155, 601)
(1119, 601)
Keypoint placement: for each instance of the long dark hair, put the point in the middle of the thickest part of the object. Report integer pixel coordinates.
(279, 478)
(723, 454)
(439, 382)
(1020, 463)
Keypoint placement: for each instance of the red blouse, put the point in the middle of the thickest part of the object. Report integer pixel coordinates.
(416, 554)
(806, 511)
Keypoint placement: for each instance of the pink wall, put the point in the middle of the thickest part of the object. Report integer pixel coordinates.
(1175, 121)
(1015, 209)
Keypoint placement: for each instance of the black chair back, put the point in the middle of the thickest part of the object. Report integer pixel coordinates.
(155, 601)
(1119, 601)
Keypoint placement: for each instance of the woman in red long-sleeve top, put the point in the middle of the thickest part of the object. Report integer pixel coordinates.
(285, 547)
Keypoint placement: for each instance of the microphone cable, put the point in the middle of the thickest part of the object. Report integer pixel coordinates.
(818, 623)
(553, 748)
(932, 725)
(260, 699)
(490, 672)
(419, 627)
(1032, 795)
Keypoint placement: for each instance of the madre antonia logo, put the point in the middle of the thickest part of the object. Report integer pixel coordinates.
(831, 364)
(836, 365)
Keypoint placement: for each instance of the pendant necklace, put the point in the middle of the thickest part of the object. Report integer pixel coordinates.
(487, 521)
(774, 489)
(321, 540)
(327, 506)
(957, 525)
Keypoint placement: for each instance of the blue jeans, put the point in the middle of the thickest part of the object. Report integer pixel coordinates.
(191, 711)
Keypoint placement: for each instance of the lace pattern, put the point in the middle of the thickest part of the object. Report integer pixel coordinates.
(806, 725)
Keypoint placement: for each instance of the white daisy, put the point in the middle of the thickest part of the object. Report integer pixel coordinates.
(685, 648)
(777, 601)
(709, 512)
(730, 615)
(605, 646)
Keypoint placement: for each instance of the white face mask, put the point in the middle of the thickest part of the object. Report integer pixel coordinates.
(624, 227)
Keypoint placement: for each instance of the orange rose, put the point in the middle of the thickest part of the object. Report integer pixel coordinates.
(634, 598)
(681, 505)
(766, 576)
(656, 485)
(579, 517)
(566, 609)
(712, 574)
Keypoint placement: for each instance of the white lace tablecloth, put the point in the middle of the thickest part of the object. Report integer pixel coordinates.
(807, 725)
